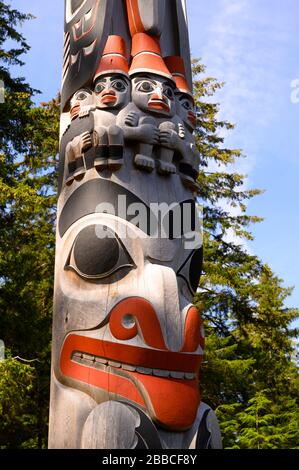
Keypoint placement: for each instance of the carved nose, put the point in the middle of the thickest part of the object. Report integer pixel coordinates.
(159, 96)
(159, 93)
(108, 91)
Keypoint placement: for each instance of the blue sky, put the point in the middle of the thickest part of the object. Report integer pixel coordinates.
(252, 46)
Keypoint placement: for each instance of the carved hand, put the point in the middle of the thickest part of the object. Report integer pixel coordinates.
(132, 119)
(81, 143)
(169, 138)
(148, 134)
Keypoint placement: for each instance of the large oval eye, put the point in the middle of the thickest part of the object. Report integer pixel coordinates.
(81, 95)
(145, 86)
(187, 105)
(119, 85)
(168, 91)
(99, 87)
(192, 269)
(97, 253)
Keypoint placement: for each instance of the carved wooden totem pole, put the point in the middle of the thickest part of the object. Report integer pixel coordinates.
(127, 341)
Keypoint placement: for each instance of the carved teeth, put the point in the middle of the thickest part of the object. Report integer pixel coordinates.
(129, 368)
(144, 370)
(101, 360)
(189, 376)
(114, 364)
(77, 355)
(87, 357)
(98, 362)
(161, 373)
(177, 375)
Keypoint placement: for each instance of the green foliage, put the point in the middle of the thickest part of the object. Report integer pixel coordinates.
(28, 167)
(249, 375)
(17, 404)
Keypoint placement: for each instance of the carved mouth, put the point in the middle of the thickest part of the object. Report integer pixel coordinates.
(75, 111)
(192, 118)
(107, 99)
(158, 104)
(101, 363)
(162, 382)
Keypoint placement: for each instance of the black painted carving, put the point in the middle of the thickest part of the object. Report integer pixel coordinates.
(191, 270)
(85, 37)
(97, 253)
(203, 440)
(148, 437)
(87, 198)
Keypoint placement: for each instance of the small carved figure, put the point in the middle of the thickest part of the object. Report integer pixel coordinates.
(148, 119)
(112, 92)
(189, 165)
(74, 142)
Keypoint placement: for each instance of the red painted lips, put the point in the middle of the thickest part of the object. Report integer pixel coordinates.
(108, 97)
(156, 102)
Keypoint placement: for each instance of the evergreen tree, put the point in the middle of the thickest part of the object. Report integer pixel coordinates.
(249, 369)
(28, 148)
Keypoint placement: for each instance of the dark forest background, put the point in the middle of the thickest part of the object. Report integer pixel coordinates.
(250, 373)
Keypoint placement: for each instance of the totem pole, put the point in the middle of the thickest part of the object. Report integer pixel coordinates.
(127, 341)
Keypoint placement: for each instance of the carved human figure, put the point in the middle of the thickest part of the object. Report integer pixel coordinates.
(148, 119)
(112, 92)
(186, 112)
(76, 140)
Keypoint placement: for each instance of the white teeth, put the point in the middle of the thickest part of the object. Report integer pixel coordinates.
(129, 368)
(189, 376)
(77, 355)
(101, 360)
(114, 364)
(144, 370)
(161, 373)
(177, 375)
(87, 359)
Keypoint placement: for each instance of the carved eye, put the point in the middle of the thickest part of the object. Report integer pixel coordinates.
(81, 95)
(187, 105)
(119, 85)
(97, 253)
(192, 269)
(99, 87)
(146, 86)
(169, 93)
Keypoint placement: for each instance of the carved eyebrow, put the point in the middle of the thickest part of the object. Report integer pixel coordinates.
(144, 77)
(89, 196)
(85, 200)
(184, 97)
(152, 80)
(84, 89)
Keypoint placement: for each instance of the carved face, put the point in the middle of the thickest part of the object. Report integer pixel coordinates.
(186, 110)
(83, 98)
(125, 327)
(112, 91)
(154, 94)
